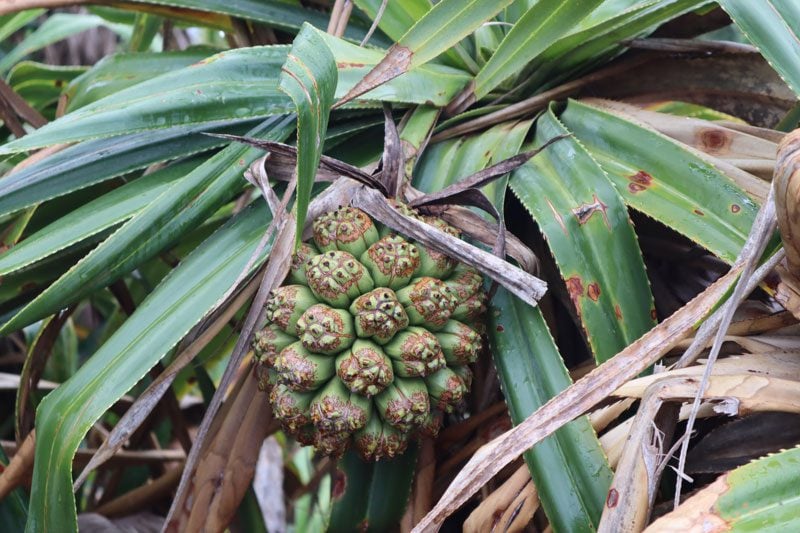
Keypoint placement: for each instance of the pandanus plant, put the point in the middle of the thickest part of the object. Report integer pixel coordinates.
(258, 225)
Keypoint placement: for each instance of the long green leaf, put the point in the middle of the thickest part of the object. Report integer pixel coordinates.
(120, 71)
(190, 292)
(277, 13)
(665, 180)
(93, 162)
(40, 84)
(774, 27)
(92, 218)
(309, 78)
(12, 22)
(597, 38)
(588, 231)
(56, 27)
(234, 85)
(540, 27)
(446, 24)
(371, 496)
(175, 212)
(569, 468)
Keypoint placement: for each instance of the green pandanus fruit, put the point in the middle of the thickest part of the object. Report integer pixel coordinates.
(368, 343)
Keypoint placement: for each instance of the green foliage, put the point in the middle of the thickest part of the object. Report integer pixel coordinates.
(141, 198)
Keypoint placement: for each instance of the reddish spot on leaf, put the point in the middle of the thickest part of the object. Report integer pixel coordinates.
(593, 291)
(698, 212)
(653, 314)
(339, 484)
(241, 162)
(575, 290)
(613, 498)
(713, 140)
(618, 312)
(500, 329)
(29, 286)
(735, 208)
(639, 181)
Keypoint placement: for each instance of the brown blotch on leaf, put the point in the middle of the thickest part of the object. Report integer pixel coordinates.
(500, 329)
(593, 291)
(639, 181)
(735, 208)
(653, 314)
(713, 140)
(575, 290)
(698, 212)
(617, 312)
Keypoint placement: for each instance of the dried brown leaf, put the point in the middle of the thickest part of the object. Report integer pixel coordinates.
(527, 287)
(576, 400)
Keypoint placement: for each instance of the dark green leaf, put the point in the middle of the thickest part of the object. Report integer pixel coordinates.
(569, 469)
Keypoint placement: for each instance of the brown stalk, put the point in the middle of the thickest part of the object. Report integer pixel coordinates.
(142, 497)
(19, 468)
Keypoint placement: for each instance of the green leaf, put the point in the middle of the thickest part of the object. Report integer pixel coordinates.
(430, 84)
(92, 162)
(436, 32)
(665, 180)
(12, 22)
(371, 496)
(93, 217)
(759, 496)
(569, 469)
(763, 494)
(448, 161)
(309, 78)
(276, 13)
(145, 29)
(57, 27)
(774, 27)
(178, 210)
(188, 294)
(446, 24)
(397, 17)
(588, 231)
(13, 507)
(40, 84)
(597, 38)
(229, 86)
(120, 71)
(540, 27)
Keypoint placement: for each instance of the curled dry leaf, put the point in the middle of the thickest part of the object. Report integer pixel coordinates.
(509, 508)
(787, 208)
